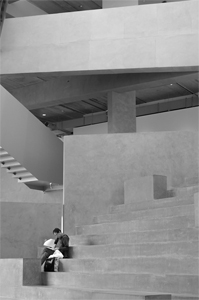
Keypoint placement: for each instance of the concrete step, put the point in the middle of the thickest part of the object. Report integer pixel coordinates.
(75, 293)
(182, 284)
(146, 214)
(186, 191)
(61, 293)
(145, 205)
(151, 265)
(138, 225)
(182, 234)
(166, 249)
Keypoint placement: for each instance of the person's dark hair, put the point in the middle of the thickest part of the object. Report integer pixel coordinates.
(56, 230)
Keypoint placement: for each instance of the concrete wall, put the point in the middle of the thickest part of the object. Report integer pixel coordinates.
(27, 217)
(29, 141)
(181, 120)
(134, 38)
(96, 167)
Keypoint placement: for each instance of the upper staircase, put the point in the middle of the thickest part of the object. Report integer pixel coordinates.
(14, 167)
(28, 149)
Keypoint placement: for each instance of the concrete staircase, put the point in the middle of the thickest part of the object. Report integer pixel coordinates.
(15, 168)
(141, 250)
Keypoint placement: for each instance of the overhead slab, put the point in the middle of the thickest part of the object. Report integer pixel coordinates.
(118, 40)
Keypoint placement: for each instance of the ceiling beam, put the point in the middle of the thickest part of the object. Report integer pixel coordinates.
(144, 109)
(76, 88)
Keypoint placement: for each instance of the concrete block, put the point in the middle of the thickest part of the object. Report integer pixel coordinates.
(11, 272)
(196, 206)
(138, 225)
(184, 234)
(31, 271)
(143, 249)
(146, 214)
(145, 188)
(16, 273)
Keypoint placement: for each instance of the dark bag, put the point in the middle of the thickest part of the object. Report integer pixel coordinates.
(49, 265)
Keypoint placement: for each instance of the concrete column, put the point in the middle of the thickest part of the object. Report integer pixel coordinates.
(118, 3)
(121, 112)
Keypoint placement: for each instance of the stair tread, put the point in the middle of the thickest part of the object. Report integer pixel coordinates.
(119, 238)
(119, 292)
(145, 214)
(109, 291)
(171, 249)
(138, 225)
(152, 204)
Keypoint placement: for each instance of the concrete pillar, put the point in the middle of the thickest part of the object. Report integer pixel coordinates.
(121, 112)
(118, 3)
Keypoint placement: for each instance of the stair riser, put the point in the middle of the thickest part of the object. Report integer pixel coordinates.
(151, 204)
(154, 265)
(153, 249)
(146, 214)
(50, 293)
(139, 225)
(186, 234)
(167, 284)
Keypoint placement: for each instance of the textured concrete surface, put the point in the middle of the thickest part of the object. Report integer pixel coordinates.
(31, 272)
(121, 112)
(108, 40)
(188, 248)
(52, 293)
(160, 262)
(165, 235)
(17, 272)
(27, 217)
(147, 214)
(138, 225)
(97, 166)
(169, 202)
(24, 226)
(144, 264)
(196, 205)
(167, 284)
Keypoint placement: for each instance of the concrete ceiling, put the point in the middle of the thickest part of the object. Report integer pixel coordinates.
(87, 95)
(154, 96)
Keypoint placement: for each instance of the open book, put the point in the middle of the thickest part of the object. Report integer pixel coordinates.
(50, 244)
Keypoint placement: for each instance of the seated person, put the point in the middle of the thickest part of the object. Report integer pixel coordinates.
(61, 242)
